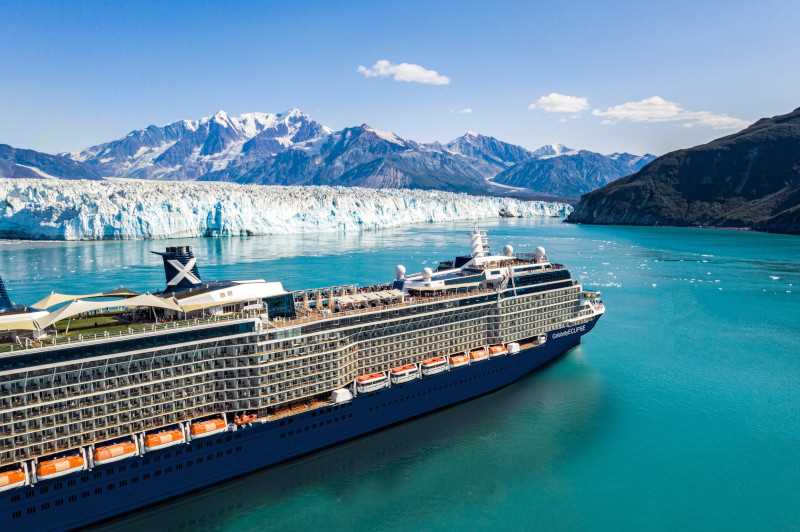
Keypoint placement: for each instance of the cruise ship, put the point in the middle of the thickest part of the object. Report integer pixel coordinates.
(112, 401)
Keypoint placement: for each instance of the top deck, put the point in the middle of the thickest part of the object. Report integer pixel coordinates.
(347, 301)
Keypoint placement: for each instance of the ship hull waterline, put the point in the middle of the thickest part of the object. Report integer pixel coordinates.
(111, 490)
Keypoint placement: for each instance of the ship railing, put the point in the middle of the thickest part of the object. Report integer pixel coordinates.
(132, 330)
(315, 315)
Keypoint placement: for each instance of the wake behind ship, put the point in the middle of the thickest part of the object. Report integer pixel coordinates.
(113, 401)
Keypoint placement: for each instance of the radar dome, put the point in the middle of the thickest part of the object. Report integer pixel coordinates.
(400, 271)
(539, 253)
(427, 273)
(508, 250)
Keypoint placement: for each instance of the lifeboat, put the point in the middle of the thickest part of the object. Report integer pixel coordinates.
(209, 427)
(245, 419)
(404, 373)
(513, 348)
(12, 479)
(58, 467)
(371, 382)
(456, 361)
(163, 439)
(114, 452)
(434, 365)
(478, 354)
(497, 351)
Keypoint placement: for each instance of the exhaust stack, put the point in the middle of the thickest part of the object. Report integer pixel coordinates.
(180, 268)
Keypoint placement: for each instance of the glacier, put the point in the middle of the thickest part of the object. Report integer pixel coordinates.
(121, 209)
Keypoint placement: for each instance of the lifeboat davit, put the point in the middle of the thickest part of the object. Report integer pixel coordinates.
(404, 373)
(245, 419)
(513, 348)
(371, 382)
(478, 354)
(12, 479)
(209, 427)
(434, 365)
(497, 351)
(456, 361)
(163, 439)
(58, 467)
(114, 452)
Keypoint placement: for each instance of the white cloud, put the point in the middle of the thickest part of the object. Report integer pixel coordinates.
(560, 103)
(407, 72)
(657, 109)
(464, 111)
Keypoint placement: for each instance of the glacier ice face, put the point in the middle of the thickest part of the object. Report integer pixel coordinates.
(132, 209)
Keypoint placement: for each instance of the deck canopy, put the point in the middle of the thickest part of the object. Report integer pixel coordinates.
(22, 321)
(81, 307)
(56, 299)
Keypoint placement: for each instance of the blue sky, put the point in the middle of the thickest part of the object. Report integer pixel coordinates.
(609, 76)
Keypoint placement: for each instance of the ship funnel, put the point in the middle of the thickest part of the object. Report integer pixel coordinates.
(180, 268)
(5, 301)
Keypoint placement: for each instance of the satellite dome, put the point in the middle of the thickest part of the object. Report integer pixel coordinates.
(539, 253)
(508, 250)
(427, 273)
(400, 271)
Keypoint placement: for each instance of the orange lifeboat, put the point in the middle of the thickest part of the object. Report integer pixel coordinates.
(209, 427)
(114, 452)
(163, 439)
(456, 361)
(497, 351)
(434, 365)
(478, 354)
(404, 373)
(12, 479)
(245, 419)
(58, 467)
(371, 382)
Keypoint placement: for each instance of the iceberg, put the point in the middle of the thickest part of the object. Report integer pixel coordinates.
(133, 209)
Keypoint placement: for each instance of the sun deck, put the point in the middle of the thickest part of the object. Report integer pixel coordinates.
(102, 328)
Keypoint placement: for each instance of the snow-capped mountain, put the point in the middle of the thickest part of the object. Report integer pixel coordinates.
(291, 148)
(572, 173)
(19, 163)
(361, 156)
(498, 155)
(127, 209)
(190, 149)
(552, 150)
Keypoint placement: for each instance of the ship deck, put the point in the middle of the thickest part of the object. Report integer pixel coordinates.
(107, 326)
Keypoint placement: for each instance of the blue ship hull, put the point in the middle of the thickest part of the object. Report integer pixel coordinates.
(109, 490)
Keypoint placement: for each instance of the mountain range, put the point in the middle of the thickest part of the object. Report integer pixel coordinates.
(20, 163)
(291, 148)
(750, 179)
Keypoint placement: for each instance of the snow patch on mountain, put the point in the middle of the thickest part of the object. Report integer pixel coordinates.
(126, 209)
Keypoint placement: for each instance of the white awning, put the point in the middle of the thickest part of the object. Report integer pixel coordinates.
(56, 299)
(22, 321)
(81, 307)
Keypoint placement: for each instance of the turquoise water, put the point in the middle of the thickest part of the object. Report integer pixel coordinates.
(679, 411)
